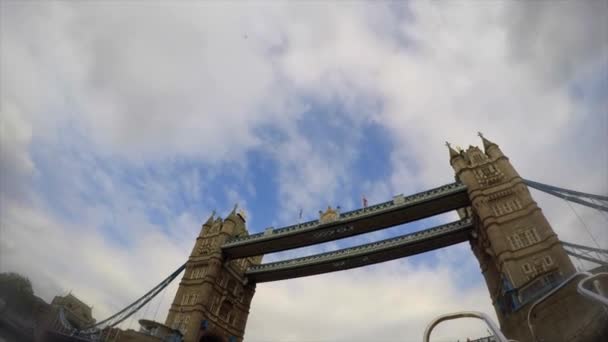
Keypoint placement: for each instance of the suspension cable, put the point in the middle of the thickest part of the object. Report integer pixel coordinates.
(586, 228)
(147, 308)
(131, 318)
(576, 260)
(134, 307)
(574, 199)
(162, 297)
(586, 257)
(574, 245)
(602, 213)
(585, 252)
(538, 185)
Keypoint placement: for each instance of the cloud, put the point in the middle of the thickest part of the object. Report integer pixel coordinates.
(138, 89)
(387, 302)
(124, 125)
(59, 257)
(15, 163)
(556, 42)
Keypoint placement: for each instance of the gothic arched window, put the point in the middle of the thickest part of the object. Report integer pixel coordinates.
(225, 310)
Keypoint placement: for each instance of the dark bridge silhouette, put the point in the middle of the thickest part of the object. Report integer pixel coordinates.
(363, 255)
(383, 215)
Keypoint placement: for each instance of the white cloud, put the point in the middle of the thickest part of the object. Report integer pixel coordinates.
(15, 162)
(146, 85)
(559, 41)
(138, 88)
(387, 302)
(59, 257)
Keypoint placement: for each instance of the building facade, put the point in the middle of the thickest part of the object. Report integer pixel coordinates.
(214, 295)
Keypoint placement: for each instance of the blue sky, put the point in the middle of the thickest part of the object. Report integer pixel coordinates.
(123, 126)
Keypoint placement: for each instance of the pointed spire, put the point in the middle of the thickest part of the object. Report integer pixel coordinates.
(486, 143)
(210, 219)
(453, 153)
(233, 212)
(233, 215)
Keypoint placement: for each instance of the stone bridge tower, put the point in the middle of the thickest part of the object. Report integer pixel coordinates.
(520, 256)
(213, 294)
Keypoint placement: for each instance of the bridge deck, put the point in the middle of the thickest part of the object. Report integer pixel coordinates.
(368, 254)
(398, 211)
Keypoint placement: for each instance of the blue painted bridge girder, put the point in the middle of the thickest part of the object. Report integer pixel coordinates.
(363, 255)
(400, 210)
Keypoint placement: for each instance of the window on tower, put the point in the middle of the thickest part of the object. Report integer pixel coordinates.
(516, 241)
(215, 302)
(177, 321)
(477, 158)
(517, 204)
(225, 310)
(539, 286)
(532, 236)
(487, 170)
(184, 325)
(523, 238)
(198, 273)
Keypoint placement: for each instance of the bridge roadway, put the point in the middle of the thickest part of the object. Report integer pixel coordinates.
(397, 211)
(368, 254)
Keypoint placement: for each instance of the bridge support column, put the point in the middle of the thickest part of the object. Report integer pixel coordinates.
(214, 295)
(520, 256)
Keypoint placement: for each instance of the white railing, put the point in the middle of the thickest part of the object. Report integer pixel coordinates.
(548, 294)
(600, 295)
(500, 337)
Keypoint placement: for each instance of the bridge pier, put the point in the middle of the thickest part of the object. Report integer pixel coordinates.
(520, 256)
(214, 295)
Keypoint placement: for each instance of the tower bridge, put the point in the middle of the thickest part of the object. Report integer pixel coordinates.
(527, 269)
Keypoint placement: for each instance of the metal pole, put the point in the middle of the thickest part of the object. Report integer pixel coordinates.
(465, 314)
(598, 297)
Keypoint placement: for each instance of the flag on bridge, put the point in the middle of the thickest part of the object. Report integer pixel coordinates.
(364, 201)
(300, 216)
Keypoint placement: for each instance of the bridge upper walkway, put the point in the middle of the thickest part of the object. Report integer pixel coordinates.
(401, 209)
(372, 253)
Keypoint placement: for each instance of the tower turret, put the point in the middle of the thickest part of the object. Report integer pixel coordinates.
(208, 224)
(490, 148)
(218, 222)
(234, 223)
(456, 159)
(519, 254)
(214, 294)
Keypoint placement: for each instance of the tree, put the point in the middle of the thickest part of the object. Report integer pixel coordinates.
(16, 290)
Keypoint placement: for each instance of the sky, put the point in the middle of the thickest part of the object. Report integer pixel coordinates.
(124, 124)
